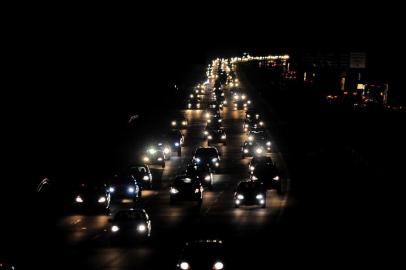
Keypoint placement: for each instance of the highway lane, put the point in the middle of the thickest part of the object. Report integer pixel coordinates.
(86, 241)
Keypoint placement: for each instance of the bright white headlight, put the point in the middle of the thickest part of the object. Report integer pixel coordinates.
(176, 144)
(197, 190)
(173, 123)
(218, 266)
(173, 190)
(159, 159)
(145, 177)
(115, 228)
(250, 138)
(268, 143)
(252, 168)
(223, 137)
(141, 228)
(131, 190)
(240, 197)
(79, 199)
(184, 123)
(146, 159)
(259, 197)
(184, 266)
(167, 150)
(259, 150)
(209, 137)
(112, 189)
(102, 199)
(197, 160)
(207, 178)
(214, 160)
(245, 150)
(276, 178)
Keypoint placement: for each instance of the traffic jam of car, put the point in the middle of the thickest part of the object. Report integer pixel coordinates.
(221, 92)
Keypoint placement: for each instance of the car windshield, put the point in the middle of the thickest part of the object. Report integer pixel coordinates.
(129, 215)
(250, 186)
(206, 152)
(184, 181)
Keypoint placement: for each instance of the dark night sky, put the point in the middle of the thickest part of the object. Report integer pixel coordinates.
(68, 73)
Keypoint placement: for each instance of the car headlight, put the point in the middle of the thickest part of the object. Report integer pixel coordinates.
(152, 151)
(240, 197)
(209, 137)
(225, 102)
(261, 123)
(189, 105)
(167, 150)
(268, 143)
(197, 160)
(112, 189)
(173, 123)
(254, 177)
(243, 97)
(218, 266)
(173, 190)
(248, 115)
(220, 120)
(276, 178)
(206, 132)
(131, 190)
(145, 177)
(146, 159)
(223, 137)
(250, 138)
(207, 178)
(198, 105)
(197, 190)
(184, 123)
(207, 115)
(249, 101)
(102, 199)
(159, 159)
(184, 266)
(245, 150)
(177, 144)
(252, 168)
(115, 228)
(141, 228)
(259, 150)
(78, 199)
(214, 160)
(259, 197)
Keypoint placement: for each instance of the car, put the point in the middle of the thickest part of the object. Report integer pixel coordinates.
(142, 175)
(264, 170)
(201, 172)
(154, 155)
(6, 265)
(241, 104)
(124, 188)
(202, 254)
(166, 147)
(129, 225)
(193, 103)
(250, 192)
(252, 123)
(211, 126)
(214, 117)
(256, 128)
(179, 122)
(252, 148)
(216, 105)
(207, 156)
(185, 188)
(216, 136)
(261, 137)
(252, 113)
(88, 196)
(173, 141)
